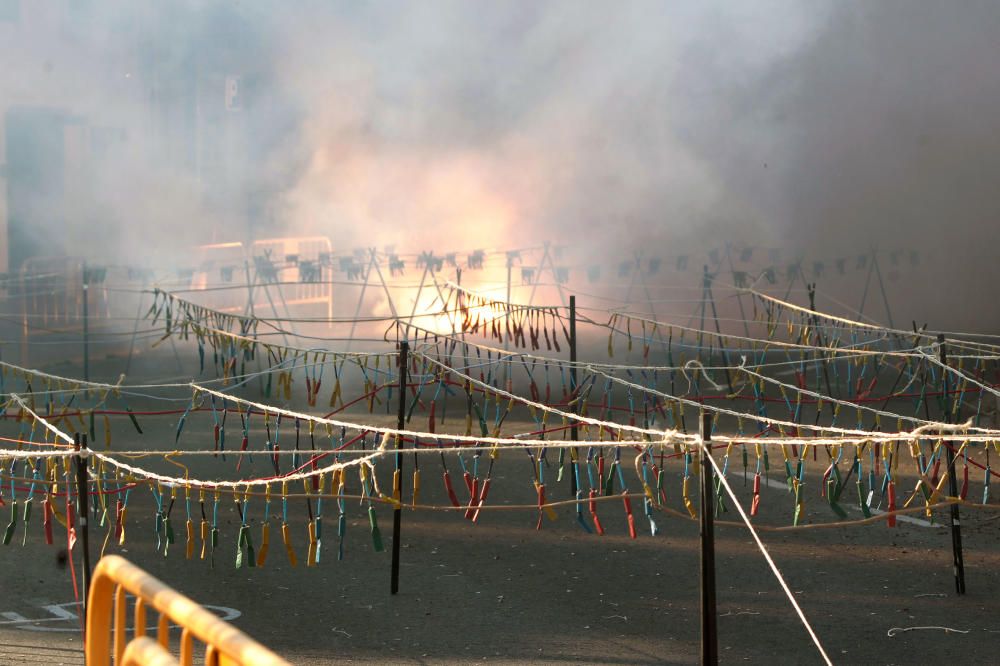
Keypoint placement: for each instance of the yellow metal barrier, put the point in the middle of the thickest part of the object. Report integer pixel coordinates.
(116, 576)
(144, 651)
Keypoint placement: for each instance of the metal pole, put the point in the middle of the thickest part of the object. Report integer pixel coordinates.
(506, 340)
(797, 274)
(822, 343)
(868, 280)
(86, 326)
(739, 294)
(709, 637)
(82, 496)
(718, 329)
(135, 331)
(361, 300)
(510, 266)
(956, 525)
(574, 433)
(385, 287)
(250, 282)
(397, 486)
(703, 308)
(881, 286)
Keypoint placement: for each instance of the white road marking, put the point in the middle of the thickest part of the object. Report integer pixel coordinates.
(61, 613)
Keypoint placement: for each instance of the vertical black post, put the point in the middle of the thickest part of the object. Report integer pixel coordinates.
(82, 497)
(956, 525)
(739, 295)
(703, 308)
(709, 637)
(574, 433)
(718, 329)
(397, 490)
(811, 288)
(86, 324)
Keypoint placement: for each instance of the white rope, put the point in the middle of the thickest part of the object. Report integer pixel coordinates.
(844, 354)
(501, 303)
(197, 483)
(765, 342)
(67, 380)
(197, 327)
(666, 435)
(696, 365)
(850, 350)
(861, 324)
(870, 438)
(314, 453)
(763, 550)
(675, 434)
(56, 431)
(127, 389)
(931, 430)
(936, 361)
(845, 403)
(730, 412)
(8, 454)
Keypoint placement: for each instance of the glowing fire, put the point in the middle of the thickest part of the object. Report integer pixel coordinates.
(415, 202)
(457, 210)
(432, 315)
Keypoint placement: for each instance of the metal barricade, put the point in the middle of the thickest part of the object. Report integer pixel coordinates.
(115, 576)
(299, 266)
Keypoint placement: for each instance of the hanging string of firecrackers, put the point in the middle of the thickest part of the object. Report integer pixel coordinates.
(339, 481)
(314, 485)
(757, 350)
(335, 395)
(887, 485)
(281, 360)
(622, 323)
(795, 479)
(646, 462)
(164, 529)
(472, 480)
(167, 531)
(314, 376)
(886, 333)
(604, 484)
(67, 392)
(366, 493)
(439, 376)
(522, 326)
(233, 338)
(245, 545)
(479, 493)
(244, 542)
(180, 314)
